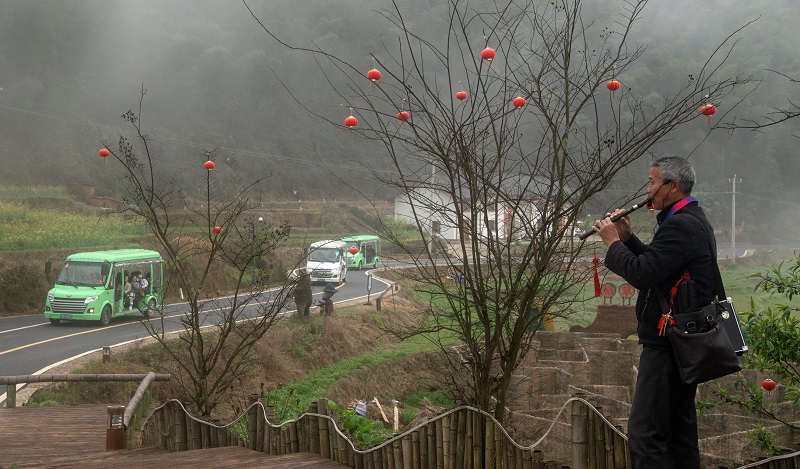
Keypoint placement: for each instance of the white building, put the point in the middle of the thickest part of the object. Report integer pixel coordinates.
(516, 213)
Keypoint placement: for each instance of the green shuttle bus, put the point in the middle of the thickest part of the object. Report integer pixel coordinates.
(100, 285)
(367, 252)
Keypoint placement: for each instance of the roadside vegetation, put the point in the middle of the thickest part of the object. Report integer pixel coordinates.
(349, 356)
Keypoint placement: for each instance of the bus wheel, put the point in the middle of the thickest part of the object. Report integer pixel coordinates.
(360, 265)
(55, 321)
(151, 307)
(105, 316)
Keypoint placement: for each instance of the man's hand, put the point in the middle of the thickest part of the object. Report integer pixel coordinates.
(612, 231)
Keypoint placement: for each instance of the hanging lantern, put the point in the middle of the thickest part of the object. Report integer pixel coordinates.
(518, 102)
(351, 122)
(374, 75)
(209, 165)
(403, 115)
(461, 95)
(488, 54)
(768, 385)
(103, 152)
(353, 250)
(708, 110)
(613, 85)
(216, 230)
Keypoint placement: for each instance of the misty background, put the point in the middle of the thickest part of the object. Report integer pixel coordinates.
(70, 68)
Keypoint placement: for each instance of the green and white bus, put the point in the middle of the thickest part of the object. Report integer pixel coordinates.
(367, 252)
(100, 285)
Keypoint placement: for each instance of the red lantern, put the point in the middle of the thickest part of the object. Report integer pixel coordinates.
(461, 95)
(519, 102)
(403, 115)
(351, 122)
(708, 110)
(488, 54)
(768, 385)
(209, 165)
(216, 230)
(353, 250)
(103, 152)
(613, 85)
(374, 75)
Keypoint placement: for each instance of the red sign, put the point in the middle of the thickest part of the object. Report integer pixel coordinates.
(608, 290)
(626, 290)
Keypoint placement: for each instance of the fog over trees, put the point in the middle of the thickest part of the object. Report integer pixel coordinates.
(70, 69)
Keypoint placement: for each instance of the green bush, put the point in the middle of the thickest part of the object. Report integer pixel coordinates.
(367, 432)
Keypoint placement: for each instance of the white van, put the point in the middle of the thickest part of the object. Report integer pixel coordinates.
(326, 262)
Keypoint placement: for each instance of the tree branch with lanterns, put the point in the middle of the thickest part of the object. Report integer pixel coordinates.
(201, 238)
(499, 132)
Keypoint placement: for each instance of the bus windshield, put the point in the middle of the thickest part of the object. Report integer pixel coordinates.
(324, 255)
(84, 274)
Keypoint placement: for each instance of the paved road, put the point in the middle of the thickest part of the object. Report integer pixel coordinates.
(31, 345)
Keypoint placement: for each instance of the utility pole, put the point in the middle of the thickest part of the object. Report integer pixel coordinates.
(733, 215)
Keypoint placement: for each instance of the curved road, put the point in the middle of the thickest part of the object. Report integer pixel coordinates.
(31, 345)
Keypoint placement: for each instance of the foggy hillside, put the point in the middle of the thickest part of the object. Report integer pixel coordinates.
(70, 69)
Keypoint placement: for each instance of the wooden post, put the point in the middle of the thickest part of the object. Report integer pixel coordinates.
(590, 438)
(488, 441)
(197, 430)
(313, 429)
(446, 440)
(261, 423)
(407, 444)
(439, 435)
(160, 428)
(609, 440)
(115, 430)
(213, 441)
(179, 421)
(397, 453)
(11, 395)
(324, 435)
(620, 450)
(537, 459)
(430, 445)
(169, 429)
(580, 429)
(416, 450)
(499, 446)
(461, 436)
(599, 440)
(477, 440)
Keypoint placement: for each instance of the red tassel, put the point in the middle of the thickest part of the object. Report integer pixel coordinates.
(596, 261)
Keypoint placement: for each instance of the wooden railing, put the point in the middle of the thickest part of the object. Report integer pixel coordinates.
(12, 381)
(122, 420)
(464, 437)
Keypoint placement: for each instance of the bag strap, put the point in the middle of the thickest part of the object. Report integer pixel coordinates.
(719, 288)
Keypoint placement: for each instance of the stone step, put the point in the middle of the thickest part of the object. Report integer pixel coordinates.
(570, 355)
(567, 341)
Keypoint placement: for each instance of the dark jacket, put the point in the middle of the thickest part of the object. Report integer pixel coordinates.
(680, 244)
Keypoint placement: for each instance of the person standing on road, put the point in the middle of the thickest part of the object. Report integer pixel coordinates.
(302, 294)
(662, 426)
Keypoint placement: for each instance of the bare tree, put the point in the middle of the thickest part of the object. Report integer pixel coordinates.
(198, 237)
(499, 134)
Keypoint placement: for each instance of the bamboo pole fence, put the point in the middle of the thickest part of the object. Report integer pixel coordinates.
(464, 437)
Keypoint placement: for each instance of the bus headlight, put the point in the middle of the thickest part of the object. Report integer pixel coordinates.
(89, 299)
(50, 297)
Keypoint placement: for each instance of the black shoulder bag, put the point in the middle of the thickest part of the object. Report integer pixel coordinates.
(700, 345)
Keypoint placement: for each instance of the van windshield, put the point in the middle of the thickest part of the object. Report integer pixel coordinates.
(324, 255)
(84, 274)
